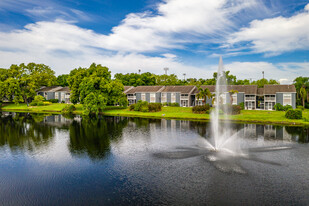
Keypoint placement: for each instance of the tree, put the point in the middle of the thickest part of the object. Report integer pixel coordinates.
(261, 82)
(231, 92)
(94, 88)
(133, 79)
(301, 82)
(203, 94)
(20, 82)
(166, 80)
(303, 95)
(62, 80)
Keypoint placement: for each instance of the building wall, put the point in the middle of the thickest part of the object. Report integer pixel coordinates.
(158, 97)
(168, 97)
(138, 97)
(178, 98)
(279, 98)
(147, 97)
(50, 95)
(294, 100)
(240, 98)
(228, 98)
(209, 101)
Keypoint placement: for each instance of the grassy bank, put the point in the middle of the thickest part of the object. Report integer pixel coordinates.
(250, 116)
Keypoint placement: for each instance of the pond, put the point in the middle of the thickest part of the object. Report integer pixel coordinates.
(53, 160)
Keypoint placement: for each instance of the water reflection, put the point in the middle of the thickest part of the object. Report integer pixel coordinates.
(25, 132)
(93, 136)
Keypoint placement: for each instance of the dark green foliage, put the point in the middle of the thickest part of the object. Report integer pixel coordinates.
(201, 109)
(300, 107)
(154, 107)
(287, 107)
(53, 100)
(62, 80)
(38, 101)
(175, 104)
(307, 105)
(242, 105)
(232, 109)
(131, 107)
(141, 105)
(278, 107)
(294, 114)
(68, 109)
(133, 79)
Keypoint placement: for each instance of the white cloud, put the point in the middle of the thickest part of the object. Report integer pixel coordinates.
(275, 35)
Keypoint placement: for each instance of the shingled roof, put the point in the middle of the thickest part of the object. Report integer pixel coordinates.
(182, 89)
(49, 89)
(127, 88)
(144, 89)
(248, 89)
(63, 89)
(273, 89)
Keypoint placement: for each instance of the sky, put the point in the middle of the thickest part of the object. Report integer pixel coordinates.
(186, 36)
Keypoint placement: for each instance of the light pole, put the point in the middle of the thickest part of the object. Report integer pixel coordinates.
(184, 76)
(139, 71)
(166, 69)
(263, 74)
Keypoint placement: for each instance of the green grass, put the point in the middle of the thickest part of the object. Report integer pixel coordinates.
(250, 116)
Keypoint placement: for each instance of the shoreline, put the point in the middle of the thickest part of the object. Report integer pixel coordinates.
(176, 113)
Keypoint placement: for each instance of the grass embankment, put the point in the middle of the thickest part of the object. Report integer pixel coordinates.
(250, 116)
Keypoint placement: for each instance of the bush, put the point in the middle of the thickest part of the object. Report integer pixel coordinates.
(62, 101)
(68, 109)
(300, 107)
(278, 107)
(175, 104)
(294, 114)
(242, 105)
(232, 109)
(139, 105)
(144, 109)
(47, 103)
(154, 107)
(53, 100)
(38, 101)
(307, 105)
(202, 109)
(131, 107)
(287, 107)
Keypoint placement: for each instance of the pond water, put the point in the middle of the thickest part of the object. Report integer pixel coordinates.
(52, 160)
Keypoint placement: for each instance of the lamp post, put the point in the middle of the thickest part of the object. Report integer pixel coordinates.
(139, 71)
(184, 76)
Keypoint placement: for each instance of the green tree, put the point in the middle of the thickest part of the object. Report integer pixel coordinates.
(204, 94)
(20, 82)
(133, 79)
(94, 88)
(62, 80)
(261, 82)
(299, 83)
(166, 80)
(303, 95)
(231, 92)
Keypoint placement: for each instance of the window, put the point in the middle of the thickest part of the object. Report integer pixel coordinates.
(56, 95)
(173, 97)
(222, 98)
(143, 97)
(287, 99)
(234, 96)
(152, 97)
(163, 97)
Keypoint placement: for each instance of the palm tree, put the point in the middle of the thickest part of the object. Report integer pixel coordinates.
(203, 94)
(231, 92)
(303, 95)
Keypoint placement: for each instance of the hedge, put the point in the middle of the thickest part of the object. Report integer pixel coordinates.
(294, 114)
(143, 106)
(201, 109)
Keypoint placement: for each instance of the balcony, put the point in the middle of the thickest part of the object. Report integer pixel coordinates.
(270, 99)
(249, 98)
(131, 97)
(67, 96)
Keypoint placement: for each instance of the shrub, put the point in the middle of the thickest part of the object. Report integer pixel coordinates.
(287, 107)
(300, 107)
(201, 109)
(154, 107)
(38, 101)
(131, 107)
(62, 101)
(242, 105)
(140, 104)
(294, 114)
(232, 109)
(53, 100)
(175, 104)
(144, 109)
(68, 109)
(307, 105)
(47, 103)
(278, 107)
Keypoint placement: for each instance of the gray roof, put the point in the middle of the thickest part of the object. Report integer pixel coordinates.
(248, 89)
(273, 89)
(142, 89)
(182, 89)
(49, 89)
(127, 88)
(64, 89)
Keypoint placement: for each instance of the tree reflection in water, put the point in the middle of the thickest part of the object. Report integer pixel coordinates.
(25, 132)
(92, 137)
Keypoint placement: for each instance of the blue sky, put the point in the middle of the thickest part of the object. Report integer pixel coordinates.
(186, 36)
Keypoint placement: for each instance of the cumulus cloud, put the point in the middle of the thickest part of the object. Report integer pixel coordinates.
(274, 36)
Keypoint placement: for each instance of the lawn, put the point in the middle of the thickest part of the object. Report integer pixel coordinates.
(253, 116)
